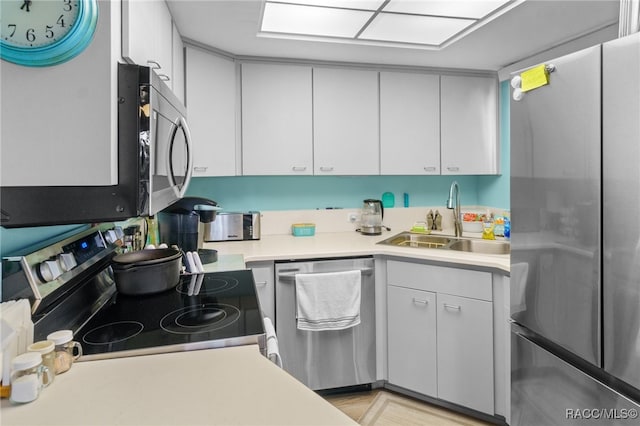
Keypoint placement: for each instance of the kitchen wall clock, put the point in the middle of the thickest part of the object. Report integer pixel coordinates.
(46, 32)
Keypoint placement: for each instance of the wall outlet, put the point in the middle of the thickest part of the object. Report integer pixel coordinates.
(352, 217)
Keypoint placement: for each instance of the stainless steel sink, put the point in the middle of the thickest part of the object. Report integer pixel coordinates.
(409, 239)
(481, 246)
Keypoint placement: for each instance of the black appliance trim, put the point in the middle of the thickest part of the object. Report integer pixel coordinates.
(60, 205)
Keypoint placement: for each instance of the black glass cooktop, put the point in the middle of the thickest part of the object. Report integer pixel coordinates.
(203, 311)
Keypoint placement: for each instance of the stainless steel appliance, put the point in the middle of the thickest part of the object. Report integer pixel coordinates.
(229, 226)
(154, 163)
(371, 217)
(183, 222)
(203, 311)
(575, 191)
(333, 358)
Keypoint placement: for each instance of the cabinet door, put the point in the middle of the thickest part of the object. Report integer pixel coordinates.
(211, 112)
(409, 124)
(411, 319)
(468, 142)
(146, 35)
(265, 285)
(345, 114)
(465, 352)
(178, 65)
(276, 120)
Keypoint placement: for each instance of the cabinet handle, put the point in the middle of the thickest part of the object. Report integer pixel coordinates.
(453, 169)
(164, 77)
(430, 169)
(261, 283)
(452, 307)
(153, 64)
(200, 169)
(299, 168)
(420, 301)
(326, 169)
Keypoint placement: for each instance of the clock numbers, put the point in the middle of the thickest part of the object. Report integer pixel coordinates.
(37, 24)
(30, 36)
(47, 32)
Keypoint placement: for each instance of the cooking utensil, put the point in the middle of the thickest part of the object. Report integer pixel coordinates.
(147, 271)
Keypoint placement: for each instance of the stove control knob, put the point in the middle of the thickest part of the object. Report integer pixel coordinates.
(67, 261)
(49, 270)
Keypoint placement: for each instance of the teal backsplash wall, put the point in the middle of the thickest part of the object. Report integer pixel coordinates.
(310, 192)
(15, 239)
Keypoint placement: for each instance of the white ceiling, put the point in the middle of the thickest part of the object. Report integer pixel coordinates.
(532, 27)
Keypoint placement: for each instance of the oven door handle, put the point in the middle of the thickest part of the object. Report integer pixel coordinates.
(289, 275)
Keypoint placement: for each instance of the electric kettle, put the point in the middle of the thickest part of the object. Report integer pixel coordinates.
(371, 217)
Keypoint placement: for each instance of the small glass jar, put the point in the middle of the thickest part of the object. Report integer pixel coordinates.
(46, 349)
(28, 377)
(64, 349)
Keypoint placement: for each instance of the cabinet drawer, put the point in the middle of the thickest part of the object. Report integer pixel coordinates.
(440, 279)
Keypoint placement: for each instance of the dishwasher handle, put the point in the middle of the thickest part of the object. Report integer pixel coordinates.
(289, 275)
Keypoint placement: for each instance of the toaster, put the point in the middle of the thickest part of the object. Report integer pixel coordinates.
(229, 226)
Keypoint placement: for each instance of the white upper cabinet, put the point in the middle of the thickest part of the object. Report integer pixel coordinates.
(409, 124)
(468, 117)
(147, 35)
(276, 119)
(178, 65)
(211, 93)
(345, 114)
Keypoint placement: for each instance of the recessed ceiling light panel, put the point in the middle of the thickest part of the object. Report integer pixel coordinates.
(414, 28)
(343, 4)
(475, 9)
(315, 21)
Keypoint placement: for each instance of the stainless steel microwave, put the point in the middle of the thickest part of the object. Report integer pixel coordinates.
(154, 163)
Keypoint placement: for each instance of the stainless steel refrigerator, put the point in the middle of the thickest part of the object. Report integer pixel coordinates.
(575, 249)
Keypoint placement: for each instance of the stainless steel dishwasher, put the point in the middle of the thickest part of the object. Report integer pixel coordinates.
(327, 359)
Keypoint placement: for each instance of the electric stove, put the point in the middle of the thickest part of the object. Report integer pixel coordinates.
(204, 311)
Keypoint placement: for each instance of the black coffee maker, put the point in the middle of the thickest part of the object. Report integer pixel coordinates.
(181, 223)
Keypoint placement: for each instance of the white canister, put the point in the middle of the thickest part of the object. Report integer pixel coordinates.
(46, 349)
(64, 349)
(28, 377)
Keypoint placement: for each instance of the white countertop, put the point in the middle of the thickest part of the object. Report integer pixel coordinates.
(344, 244)
(230, 386)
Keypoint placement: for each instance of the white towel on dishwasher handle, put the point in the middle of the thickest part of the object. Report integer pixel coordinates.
(328, 301)
(273, 351)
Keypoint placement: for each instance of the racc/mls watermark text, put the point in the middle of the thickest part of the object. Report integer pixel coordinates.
(601, 414)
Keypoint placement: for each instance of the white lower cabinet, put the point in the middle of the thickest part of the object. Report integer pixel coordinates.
(412, 339)
(440, 340)
(263, 275)
(465, 352)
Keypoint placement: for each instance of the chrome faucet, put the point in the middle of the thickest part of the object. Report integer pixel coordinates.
(456, 207)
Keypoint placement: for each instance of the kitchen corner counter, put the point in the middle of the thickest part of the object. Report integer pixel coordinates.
(230, 386)
(345, 244)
